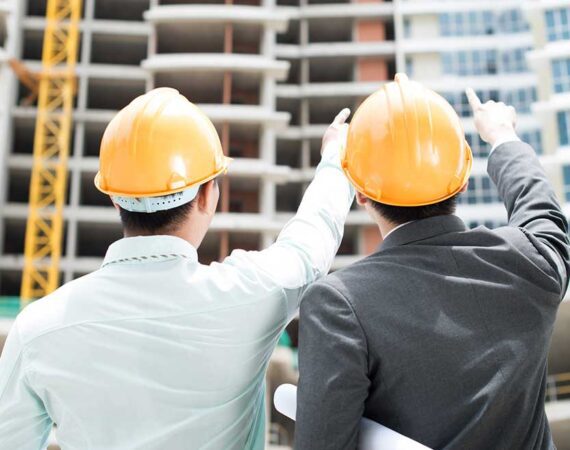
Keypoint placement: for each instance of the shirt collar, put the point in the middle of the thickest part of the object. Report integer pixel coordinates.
(395, 228)
(144, 249)
(419, 230)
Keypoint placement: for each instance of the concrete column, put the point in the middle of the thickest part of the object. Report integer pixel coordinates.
(267, 141)
(152, 48)
(399, 36)
(79, 138)
(304, 113)
(9, 99)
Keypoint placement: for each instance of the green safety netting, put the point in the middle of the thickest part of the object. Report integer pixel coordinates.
(9, 307)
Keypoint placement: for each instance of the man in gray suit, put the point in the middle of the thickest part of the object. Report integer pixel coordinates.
(443, 333)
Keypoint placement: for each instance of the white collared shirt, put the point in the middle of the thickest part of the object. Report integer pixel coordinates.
(156, 351)
(503, 140)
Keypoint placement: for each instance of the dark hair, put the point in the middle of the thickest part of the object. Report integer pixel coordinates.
(160, 222)
(402, 214)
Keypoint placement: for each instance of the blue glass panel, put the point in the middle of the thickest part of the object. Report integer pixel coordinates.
(564, 127)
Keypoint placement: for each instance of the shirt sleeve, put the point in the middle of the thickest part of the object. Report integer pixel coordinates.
(504, 140)
(333, 365)
(305, 248)
(24, 422)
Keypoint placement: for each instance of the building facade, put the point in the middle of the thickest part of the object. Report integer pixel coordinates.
(271, 74)
(481, 44)
(550, 59)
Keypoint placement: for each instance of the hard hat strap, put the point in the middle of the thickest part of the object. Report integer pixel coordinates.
(154, 204)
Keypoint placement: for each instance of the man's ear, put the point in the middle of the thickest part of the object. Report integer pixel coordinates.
(464, 188)
(208, 195)
(361, 199)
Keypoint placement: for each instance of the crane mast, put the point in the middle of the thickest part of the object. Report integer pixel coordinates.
(56, 94)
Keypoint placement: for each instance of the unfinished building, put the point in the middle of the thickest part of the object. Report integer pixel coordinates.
(271, 74)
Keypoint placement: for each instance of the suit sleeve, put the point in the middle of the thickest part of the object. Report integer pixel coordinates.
(24, 422)
(333, 363)
(531, 204)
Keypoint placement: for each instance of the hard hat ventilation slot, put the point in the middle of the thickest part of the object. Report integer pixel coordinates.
(154, 204)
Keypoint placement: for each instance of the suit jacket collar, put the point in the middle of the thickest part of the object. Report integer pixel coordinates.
(419, 230)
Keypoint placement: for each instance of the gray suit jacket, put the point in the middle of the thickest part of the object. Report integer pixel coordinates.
(443, 333)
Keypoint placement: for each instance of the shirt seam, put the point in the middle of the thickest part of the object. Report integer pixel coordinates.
(18, 359)
(145, 259)
(124, 319)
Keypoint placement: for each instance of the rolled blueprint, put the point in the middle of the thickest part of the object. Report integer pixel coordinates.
(373, 436)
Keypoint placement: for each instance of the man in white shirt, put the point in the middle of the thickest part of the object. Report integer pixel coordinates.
(155, 350)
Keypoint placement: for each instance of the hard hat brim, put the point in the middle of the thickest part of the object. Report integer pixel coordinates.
(357, 185)
(222, 170)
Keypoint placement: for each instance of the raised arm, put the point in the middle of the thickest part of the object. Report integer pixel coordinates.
(24, 422)
(305, 248)
(523, 185)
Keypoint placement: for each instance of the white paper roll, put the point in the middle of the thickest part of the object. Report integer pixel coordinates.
(285, 400)
(373, 436)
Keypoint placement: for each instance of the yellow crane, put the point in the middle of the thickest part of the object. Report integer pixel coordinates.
(56, 94)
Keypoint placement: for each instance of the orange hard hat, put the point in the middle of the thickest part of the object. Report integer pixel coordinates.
(159, 144)
(406, 146)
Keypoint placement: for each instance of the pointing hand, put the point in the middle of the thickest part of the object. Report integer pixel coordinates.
(495, 122)
(337, 131)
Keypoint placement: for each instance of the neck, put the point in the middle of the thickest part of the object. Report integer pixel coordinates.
(386, 227)
(186, 233)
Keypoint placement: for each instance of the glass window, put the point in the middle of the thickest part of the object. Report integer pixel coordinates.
(512, 21)
(557, 24)
(564, 127)
(521, 99)
(480, 190)
(566, 176)
(514, 61)
(485, 62)
(409, 67)
(488, 23)
(444, 24)
(479, 148)
(464, 63)
(473, 23)
(478, 23)
(447, 62)
(407, 28)
(550, 19)
(459, 103)
(561, 75)
(534, 139)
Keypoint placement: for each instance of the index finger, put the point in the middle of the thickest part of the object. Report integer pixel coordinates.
(473, 99)
(341, 117)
